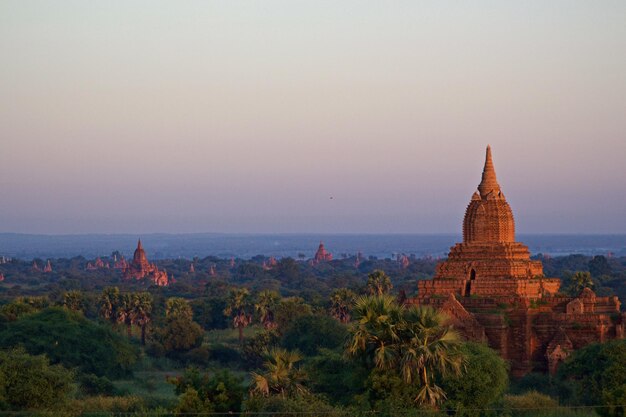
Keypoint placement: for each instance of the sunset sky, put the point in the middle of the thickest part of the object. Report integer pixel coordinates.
(317, 116)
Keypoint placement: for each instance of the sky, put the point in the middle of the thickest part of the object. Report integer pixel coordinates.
(309, 116)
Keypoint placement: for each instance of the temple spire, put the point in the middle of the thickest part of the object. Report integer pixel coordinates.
(489, 183)
(139, 245)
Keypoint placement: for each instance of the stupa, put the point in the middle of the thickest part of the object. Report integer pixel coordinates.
(494, 292)
(140, 268)
(322, 255)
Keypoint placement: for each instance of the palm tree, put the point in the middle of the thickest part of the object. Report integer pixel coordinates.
(179, 308)
(416, 342)
(238, 307)
(581, 280)
(124, 312)
(109, 301)
(378, 283)
(73, 300)
(430, 347)
(376, 332)
(265, 305)
(140, 314)
(341, 304)
(281, 375)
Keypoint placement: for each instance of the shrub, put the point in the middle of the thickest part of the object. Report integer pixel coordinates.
(28, 381)
(91, 385)
(482, 383)
(308, 334)
(530, 404)
(68, 338)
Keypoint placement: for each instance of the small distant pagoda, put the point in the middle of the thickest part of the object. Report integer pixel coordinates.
(48, 268)
(493, 292)
(98, 264)
(322, 255)
(140, 268)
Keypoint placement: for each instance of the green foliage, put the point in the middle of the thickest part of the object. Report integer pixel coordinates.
(104, 406)
(387, 391)
(482, 383)
(308, 334)
(191, 403)
(73, 300)
(70, 339)
(281, 375)
(288, 407)
(579, 281)
(332, 374)
(530, 404)
(378, 283)
(208, 313)
(599, 266)
(414, 342)
(265, 308)
(92, 385)
(255, 348)
(341, 304)
(179, 335)
(30, 382)
(223, 390)
(239, 308)
(598, 373)
(178, 308)
(290, 309)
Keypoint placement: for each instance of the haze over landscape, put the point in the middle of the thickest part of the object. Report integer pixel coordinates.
(319, 117)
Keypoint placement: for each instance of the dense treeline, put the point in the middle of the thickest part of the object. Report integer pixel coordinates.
(293, 337)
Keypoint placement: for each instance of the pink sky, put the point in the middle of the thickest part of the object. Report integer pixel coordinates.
(207, 116)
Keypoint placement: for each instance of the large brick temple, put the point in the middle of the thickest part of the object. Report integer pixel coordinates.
(141, 268)
(495, 293)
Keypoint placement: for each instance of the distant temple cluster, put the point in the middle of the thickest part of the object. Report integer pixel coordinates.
(140, 268)
(495, 293)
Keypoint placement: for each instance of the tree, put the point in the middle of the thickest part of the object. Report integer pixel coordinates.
(341, 304)
(308, 334)
(281, 375)
(483, 382)
(238, 307)
(414, 342)
(190, 403)
(178, 308)
(68, 338)
(179, 333)
(73, 300)
(599, 266)
(598, 372)
(580, 281)
(378, 283)
(222, 390)
(124, 313)
(376, 333)
(30, 382)
(288, 310)
(109, 301)
(429, 348)
(140, 313)
(265, 307)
